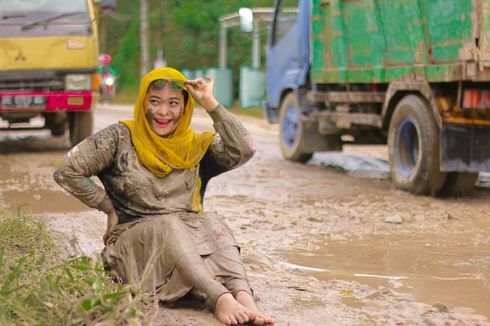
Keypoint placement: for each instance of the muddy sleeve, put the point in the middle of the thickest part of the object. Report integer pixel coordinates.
(85, 160)
(232, 145)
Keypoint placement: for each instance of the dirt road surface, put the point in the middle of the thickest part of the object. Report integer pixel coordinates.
(326, 243)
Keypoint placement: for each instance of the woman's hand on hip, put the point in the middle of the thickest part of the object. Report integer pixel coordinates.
(202, 90)
(112, 221)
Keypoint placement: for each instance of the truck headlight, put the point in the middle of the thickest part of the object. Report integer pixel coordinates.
(78, 82)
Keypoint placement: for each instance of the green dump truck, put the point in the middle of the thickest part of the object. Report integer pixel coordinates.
(414, 74)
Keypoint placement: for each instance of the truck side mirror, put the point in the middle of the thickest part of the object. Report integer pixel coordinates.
(107, 4)
(246, 19)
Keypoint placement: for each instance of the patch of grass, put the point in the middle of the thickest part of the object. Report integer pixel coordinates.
(39, 288)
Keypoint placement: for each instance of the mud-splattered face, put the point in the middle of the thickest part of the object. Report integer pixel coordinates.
(164, 109)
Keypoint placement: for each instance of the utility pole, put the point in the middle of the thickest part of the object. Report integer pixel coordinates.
(159, 60)
(145, 53)
(223, 46)
(103, 35)
(256, 45)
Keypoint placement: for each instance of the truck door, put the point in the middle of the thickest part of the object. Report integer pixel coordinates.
(283, 55)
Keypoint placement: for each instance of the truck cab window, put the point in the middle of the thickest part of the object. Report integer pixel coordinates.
(27, 18)
(284, 19)
(55, 6)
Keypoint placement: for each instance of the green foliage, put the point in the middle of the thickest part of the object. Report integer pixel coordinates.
(126, 59)
(186, 31)
(38, 288)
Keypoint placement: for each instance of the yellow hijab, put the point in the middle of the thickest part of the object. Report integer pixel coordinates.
(161, 155)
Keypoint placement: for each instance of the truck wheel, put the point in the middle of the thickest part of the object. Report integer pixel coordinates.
(458, 184)
(413, 145)
(81, 126)
(291, 133)
(58, 130)
(56, 123)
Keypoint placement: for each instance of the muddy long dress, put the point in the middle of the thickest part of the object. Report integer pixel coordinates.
(160, 222)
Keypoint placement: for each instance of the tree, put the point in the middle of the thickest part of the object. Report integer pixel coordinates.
(190, 35)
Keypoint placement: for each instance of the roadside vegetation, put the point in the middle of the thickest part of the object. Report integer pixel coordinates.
(39, 287)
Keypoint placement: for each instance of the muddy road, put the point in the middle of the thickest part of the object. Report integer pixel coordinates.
(326, 243)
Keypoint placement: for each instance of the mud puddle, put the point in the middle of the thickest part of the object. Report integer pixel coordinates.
(368, 161)
(26, 177)
(357, 166)
(31, 142)
(484, 180)
(38, 201)
(452, 272)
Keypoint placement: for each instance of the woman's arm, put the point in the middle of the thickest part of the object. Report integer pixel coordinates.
(89, 158)
(233, 145)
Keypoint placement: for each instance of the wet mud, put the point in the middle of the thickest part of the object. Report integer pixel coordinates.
(330, 242)
(447, 271)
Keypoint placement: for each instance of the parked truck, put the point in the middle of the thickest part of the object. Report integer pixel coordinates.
(414, 74)
(48, 59)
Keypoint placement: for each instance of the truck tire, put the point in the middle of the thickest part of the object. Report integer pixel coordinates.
(458, 184)
(291, 133)
(81, 126)
(413, 146)
(58, 130)
(56, 123)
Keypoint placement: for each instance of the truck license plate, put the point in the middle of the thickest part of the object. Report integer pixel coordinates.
(23, 101)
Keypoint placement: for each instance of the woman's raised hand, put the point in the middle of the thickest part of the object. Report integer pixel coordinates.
(202, 90)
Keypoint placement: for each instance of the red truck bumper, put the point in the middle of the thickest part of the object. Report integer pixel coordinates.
(45, 101)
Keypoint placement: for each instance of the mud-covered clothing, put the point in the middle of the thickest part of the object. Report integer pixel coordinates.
(130, 188)
(173, 246)
(159, 219)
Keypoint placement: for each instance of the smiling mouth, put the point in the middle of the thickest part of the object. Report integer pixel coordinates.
(163, 123)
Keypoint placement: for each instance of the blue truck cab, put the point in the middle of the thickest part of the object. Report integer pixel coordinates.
(288, 55)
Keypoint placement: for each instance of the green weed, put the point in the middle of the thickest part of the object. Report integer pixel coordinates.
(37, 287)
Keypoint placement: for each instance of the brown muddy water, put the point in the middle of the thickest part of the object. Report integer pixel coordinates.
(40, 201)
(434, 268)
(447, 271)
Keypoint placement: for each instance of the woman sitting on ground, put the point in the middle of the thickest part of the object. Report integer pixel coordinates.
(154, 170)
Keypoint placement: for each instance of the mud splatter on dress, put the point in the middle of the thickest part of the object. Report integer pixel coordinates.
(158, 219)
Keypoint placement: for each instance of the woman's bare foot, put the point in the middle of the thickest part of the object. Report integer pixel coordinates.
(230, 312)
(248, 301)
